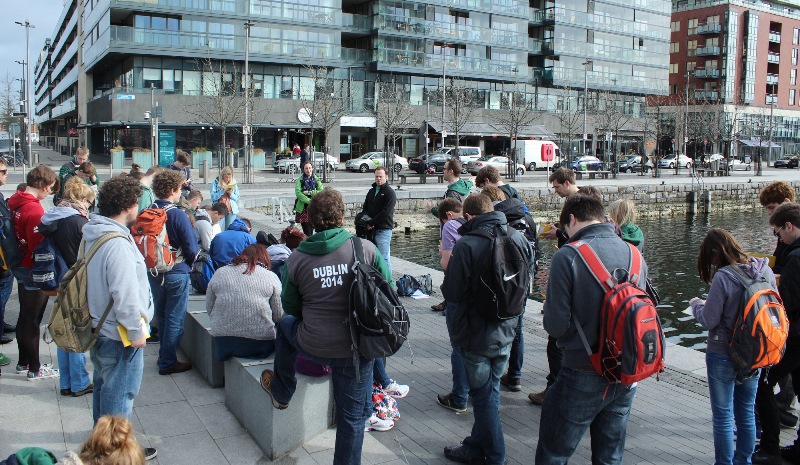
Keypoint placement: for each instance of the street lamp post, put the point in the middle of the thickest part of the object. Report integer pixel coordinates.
(444, 91)
(773, 97)
(585, 100)
(247, 132)
(27, 25)
(685, 124)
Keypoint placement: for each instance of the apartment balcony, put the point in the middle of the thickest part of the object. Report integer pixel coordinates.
(707, 51)
(64, 107)
(447, 31)
(775, 37)
(421, 61)
(774, 57)
(598, 22)
(539, 16)
(772, 78)
(710, 73)
(706, 95)
(541, 76)
(356, 23)
(711, 28)
(540, 47)
(771, 99)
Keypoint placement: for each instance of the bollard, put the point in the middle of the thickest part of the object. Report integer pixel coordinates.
(205, 171)
(35, 160)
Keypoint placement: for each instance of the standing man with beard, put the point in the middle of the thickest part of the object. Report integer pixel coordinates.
(379, 205)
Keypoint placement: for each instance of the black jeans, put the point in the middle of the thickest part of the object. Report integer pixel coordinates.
(766, 406)
(32, 305)
(554, 356)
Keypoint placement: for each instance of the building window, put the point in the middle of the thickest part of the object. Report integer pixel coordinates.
(796, 36)
(675, 26)
(673, 89)
(791, 96)
(673, 68)
(691, 26)
(691, 65)
(674, 47)
(794, 56)
(793, 76)
(712, 19)
(691, 48)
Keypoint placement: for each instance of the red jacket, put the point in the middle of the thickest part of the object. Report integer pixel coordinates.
(28, 214)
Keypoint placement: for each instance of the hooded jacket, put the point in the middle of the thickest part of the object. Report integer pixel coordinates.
(380, 206)
(118, 272)
(789, 289)
(514, 210)
(230, 243)
(632, 233)
(217, 192)
(471, 254)
(181, 236)
(572, 291)
(316, 288)
(64, 224)
(204, 228)
(147, 198)
(302, 200)
(28, 212)
(458, 189)
(719, 312)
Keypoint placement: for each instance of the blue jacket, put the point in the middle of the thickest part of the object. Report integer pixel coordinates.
(181, 236)
(217, 192)
(230, 243)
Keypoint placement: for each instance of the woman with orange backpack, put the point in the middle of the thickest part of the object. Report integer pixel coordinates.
(732, 392)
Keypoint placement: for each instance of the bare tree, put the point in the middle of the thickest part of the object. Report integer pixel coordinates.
(730, 124)
(325, 104)
(756, 126)
(651, 125)
(394, 114)
(460, 106)
(517, 113)
(613, 115)
(9, 96)
(569, 117)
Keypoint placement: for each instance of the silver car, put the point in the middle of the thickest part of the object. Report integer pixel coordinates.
(371, 160)
(292, 165)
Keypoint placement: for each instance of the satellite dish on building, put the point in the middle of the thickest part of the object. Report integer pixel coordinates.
(304, 115)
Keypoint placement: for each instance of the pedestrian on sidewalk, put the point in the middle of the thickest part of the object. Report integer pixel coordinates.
(306, 186)
(379, 205)
(26, 206)
(181, 165)
(6, 277)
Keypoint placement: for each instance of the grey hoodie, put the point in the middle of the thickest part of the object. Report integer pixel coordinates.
(203, 229)
(117, 271)
(279, 252)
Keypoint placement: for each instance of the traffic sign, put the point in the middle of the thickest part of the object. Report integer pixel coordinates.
(157, 111)
(18, 114)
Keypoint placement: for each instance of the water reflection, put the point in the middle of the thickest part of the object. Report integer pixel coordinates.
(671, 245)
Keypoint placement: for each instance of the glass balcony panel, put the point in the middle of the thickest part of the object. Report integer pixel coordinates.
(706, 51)
(775, 37)
(712, 73)
(600, 22)
(450, 31)
(711, 28)
(774, 58)
(451, 63)
(356, 22)
(772, 78)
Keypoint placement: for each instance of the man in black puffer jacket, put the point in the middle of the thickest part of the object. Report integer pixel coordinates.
(379, 205)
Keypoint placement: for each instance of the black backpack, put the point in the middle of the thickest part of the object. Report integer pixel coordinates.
(10, 254)
(499, 293)
(378, 322)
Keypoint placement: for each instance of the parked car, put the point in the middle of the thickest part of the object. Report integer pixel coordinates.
(788, 161)
(634, 164)
(292, 165)
(465, 154)
(371, 160)
(587, 163)
(669, 162)
(736, 165)
(435, 160)
(501, 163)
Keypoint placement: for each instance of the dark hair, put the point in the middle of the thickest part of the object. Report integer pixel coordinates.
(118, 194)
(307, 162)
(195, 194)
(220, 208)
(21, 186)
(455, 165)
(183, 158)
(776, 192)
(292, 237)
(592, 192)
(155, 169)
(563, 176)
(326, 210)
(252, 255)
(87, 167)
(477, 204)
(167, 182)
(583, 207)
(494, 193)
(247, 222)
(136, 172)
(787, 212)
(719, 248)
(42, 177)
(382, 168)
(487, 173)
(448, 205)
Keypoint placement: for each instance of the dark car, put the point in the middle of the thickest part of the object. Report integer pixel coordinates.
(587, 163)
(414, 163)
(634, 165)
(787, 162)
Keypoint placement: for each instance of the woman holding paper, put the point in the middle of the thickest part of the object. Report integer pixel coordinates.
(225, 189)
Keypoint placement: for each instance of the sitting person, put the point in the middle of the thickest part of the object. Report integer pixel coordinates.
(231, 242)
(244, 303)
(207, 217)
(291, 238)
(112, 442)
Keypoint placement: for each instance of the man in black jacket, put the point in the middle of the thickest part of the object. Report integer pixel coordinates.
(379, 205)
(485, 344)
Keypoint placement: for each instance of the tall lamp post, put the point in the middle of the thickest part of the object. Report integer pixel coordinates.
(585, 100)
(444, 91)
(27, 25)
(685, 124)
(246, 130)
(23, 99)
(773, 97)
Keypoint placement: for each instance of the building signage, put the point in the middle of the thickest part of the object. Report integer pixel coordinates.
(304, 115)
(166, 147)
(126, 96)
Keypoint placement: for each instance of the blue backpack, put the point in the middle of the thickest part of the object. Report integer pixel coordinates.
(202, 271)
(48, 267)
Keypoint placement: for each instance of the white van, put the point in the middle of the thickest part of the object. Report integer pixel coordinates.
(533, 153)
(465, 154)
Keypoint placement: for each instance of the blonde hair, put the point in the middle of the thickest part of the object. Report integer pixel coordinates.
(76, 189)
(112, 443)
(494, 193)
(228, 170)
(622, 211)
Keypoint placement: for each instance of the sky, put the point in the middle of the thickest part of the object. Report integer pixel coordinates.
(43, 14)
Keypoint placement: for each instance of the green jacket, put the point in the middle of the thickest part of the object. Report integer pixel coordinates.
(458, 189)
(302, 199)
(632, 233)
(147, 198)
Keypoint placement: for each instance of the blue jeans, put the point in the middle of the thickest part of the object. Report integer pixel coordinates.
(117, 377)
(226, 347)
(731, 402)
(460, 384)
(170, 299)
(379, 374)
(6, 287)
(581, 400)
(483, 374)
(517, 353)
(228, 220)
(351, 389)
(383, 240)
(72, 368)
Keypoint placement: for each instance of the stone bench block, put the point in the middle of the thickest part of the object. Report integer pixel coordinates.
(198, 344)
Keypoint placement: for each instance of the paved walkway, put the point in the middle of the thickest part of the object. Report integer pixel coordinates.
(189, 424)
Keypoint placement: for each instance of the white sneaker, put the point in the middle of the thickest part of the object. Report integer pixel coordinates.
(398, 391)
(374, 423)
(45, 371)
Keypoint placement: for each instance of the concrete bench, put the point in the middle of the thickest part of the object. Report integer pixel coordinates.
(592, 174)
(710, 173)
(198, 344)
(277, 432)
(423, 178)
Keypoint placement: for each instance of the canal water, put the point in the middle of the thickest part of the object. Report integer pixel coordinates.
(671, 246)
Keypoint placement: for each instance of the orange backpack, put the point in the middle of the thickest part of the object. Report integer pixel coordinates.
(150, 234)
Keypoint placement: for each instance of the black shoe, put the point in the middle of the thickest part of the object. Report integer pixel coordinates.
(66, 392)
(446, 401)
(6, 339)
(458, 454)
(83, 392)
(788, 422)
(153, 339)
(150, 453)
(765, 458)
(178, 367)
(7, 328)
(513, 384)
(791, 454)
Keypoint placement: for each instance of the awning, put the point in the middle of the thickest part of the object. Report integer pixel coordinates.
(492, 130)
(756, 143)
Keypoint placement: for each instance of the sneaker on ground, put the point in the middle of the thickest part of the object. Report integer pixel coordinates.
(43, 373)
(22, 369)
(150, 453)
(374, 423)
(537, 398)
(398, 391)
(513, 384)
(446, 401)
(4, 360)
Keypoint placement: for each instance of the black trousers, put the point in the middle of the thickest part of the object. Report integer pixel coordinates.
(554, 356)
(766, 405)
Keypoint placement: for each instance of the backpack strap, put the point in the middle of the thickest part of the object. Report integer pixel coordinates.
(95, 247)
(743, 279)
